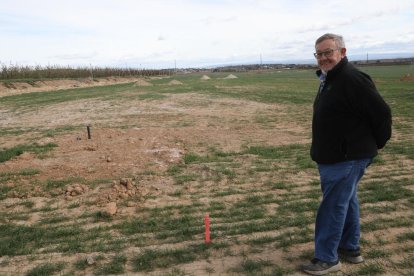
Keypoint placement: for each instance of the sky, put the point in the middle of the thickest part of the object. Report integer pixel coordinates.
(196, 33)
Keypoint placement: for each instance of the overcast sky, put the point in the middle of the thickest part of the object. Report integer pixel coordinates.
(187, 33)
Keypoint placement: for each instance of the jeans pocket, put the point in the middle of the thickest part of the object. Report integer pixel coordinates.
(335, 172)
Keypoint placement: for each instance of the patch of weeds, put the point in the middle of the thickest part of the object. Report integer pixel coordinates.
(55, 131)
(8, 154)
(379, 209)
(53, 220)
(406, 263)
(384, 223)
(81, 264)
(151, 96)
(226, 191)
(297, 206)
(4, 190)
(406, 237)
(159, 223)
(28, 172)
(151, 259)
(177, 193)
(213, 156)
(60, 183)
(295, 237)
(176, 272)
(378, 191)
(27, 203)
(266, 152)
(46, 269)
(180, 179)
(174, 170)
(149, 172)
(210, 270)
(40, 150)
(115, 266)
(227, 172)
(18, 216)
(253, 266)
(13, 131)
(278, 186)
(248, 209)
(371, 269)
(402, 148)
(101, 216)
(217, 206)
(74, 205)
(376, 254)
(280, 271)
(22, 240)
(262, 240)
(47, 208)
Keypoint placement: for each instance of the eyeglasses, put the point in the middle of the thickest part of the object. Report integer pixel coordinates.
(327, 53)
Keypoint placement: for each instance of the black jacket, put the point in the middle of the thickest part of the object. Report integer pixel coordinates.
(350, 119)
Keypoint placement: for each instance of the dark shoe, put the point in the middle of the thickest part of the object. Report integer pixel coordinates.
(317, 267)
(352, 256)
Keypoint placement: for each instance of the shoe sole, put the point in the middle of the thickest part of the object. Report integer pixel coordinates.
(354, 260)
(334, 268)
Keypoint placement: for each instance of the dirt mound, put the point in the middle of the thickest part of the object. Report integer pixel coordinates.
(14, 88)
(205, 77)
(231, 76)
(141, 82)
(175, 82)
(407, 77)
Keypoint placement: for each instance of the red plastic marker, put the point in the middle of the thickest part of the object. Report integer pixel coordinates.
(207, 232)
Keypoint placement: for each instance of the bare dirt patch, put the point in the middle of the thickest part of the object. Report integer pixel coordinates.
(124, 170)
(134, 140)
(15, 88)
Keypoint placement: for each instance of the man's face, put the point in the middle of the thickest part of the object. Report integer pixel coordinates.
(328, 54)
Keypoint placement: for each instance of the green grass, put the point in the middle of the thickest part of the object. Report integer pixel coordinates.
(39, 150)
(150, 259)
(115, 266)
(261, 198)
(46, 269)
(30, 101)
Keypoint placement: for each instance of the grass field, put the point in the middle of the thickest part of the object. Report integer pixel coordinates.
(237, 149)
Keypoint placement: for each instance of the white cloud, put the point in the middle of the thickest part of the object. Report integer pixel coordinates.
(192, 32)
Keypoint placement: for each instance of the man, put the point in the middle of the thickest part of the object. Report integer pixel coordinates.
(350, 123)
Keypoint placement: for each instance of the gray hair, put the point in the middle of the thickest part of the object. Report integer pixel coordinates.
(339, 40)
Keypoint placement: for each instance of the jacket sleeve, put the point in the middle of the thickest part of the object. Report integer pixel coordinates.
(375, 110)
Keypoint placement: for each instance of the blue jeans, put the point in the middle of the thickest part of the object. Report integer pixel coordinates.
(337, 220)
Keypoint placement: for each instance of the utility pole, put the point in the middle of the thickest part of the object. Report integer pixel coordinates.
(91, 70)
(367, 58)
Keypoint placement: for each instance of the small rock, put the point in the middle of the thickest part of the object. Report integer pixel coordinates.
(111, 208)
(78, 190)
(131, 204)
(130, 186)
(90, 148)
(90, 260)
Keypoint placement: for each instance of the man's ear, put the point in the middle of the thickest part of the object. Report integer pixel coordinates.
(343, 52)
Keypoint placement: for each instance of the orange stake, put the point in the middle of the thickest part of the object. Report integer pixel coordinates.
(207, 232)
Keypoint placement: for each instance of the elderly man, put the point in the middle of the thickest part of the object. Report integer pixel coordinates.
(350, 123)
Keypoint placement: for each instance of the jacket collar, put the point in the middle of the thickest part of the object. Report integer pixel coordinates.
(334, 70)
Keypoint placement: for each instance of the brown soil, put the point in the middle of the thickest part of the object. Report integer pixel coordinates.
(407, 77)
(160, 133)
(129, 138)
(14, 88)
